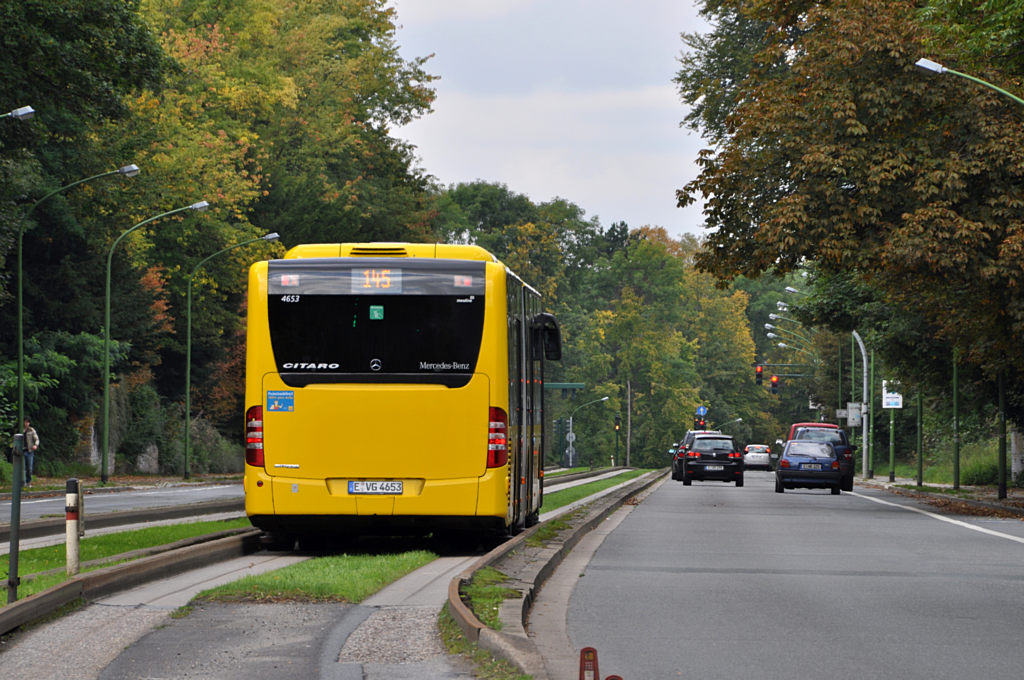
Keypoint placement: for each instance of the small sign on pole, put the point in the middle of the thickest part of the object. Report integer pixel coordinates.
(853, 414)
(890, 397)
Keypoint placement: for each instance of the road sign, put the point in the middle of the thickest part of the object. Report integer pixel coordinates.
(702, 410)
(853, 414)
(571, 437)
(890, 397)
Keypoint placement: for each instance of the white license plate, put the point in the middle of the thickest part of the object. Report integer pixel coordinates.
(375, 487)
(812, 466)
(715, 468)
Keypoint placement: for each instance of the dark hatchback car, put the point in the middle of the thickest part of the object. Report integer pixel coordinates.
(808, 464)
(679, 452)
(712, 457)
(839, 441)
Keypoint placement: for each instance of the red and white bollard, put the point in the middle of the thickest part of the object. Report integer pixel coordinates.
(72, 510)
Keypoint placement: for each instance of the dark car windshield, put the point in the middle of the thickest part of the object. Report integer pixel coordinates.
(709, 444)
(809, 448)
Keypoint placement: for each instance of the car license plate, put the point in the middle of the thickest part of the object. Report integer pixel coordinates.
(714, 467)
(812, 466)
(375, 487)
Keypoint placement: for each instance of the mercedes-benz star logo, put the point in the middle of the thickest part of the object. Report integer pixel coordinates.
(375, 364)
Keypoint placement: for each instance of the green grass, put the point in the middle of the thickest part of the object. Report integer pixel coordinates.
(34, 562)
(486, 594)
(979, 465)
(557, 499)
(487, 666)
(341, 578)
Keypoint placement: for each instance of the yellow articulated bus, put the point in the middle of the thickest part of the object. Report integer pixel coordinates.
(393, 386)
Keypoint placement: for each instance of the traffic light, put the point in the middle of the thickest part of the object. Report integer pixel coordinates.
(699, 423)
(775, 384)
(618, 422)
(759, 374)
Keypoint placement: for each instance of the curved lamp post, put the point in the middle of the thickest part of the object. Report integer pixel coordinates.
(799, 349)
(772, 327)
(124, 171)
(200, 206)
(188, 341)
(929, 65)
(572, 435)
(22, 113)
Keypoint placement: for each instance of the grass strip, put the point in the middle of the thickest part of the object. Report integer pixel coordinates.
(557, 499)
(332, 578)
(102, 551)
(485, 594)
(487, 666)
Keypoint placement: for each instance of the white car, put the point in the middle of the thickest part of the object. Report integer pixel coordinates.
(758, 456)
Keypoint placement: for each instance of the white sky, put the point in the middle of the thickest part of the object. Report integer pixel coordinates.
(559, 98)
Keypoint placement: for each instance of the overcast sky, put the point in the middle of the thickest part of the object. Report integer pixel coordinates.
(558, 98)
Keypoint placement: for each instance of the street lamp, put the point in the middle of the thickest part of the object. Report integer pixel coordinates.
(778, 317)
(188, 340)
(23, 113)
(799, 349)
(125, 171)
(200, 206)
(929, 65)
(572, 435)
(771, 327)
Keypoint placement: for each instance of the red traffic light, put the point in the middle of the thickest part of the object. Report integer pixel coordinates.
(758, 373)
(775, 380)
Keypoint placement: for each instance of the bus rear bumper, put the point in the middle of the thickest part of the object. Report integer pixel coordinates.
(474, 497)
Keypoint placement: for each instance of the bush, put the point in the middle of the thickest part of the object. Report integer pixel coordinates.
(980, 471)
(211, 452)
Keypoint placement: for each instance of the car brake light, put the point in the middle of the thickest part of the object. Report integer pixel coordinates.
(835, 465)
(497, 438)
(784, 463)
(254, 436)
(693, 454)
(735, 454)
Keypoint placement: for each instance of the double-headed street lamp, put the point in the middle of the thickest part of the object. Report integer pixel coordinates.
(200, 206)
(188, 340)
(125, 171)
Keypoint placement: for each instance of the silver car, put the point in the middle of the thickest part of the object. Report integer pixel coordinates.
(758, 456)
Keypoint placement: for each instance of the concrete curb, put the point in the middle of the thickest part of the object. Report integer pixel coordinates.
(514, 644)
(122, 576)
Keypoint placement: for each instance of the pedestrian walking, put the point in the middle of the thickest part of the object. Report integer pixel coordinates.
(31, 446)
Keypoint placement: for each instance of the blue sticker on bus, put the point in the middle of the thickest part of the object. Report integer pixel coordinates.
(280, 400)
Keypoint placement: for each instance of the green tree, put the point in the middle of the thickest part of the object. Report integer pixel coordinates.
(842, 152)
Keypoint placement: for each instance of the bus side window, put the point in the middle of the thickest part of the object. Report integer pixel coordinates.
(547, 336)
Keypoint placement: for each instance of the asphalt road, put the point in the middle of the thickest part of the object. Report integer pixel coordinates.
(710, 581)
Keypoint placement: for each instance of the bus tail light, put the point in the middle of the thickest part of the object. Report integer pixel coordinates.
(254, 436)
(497, 438)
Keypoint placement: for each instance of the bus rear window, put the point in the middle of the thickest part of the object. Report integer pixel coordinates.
(375, 320)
